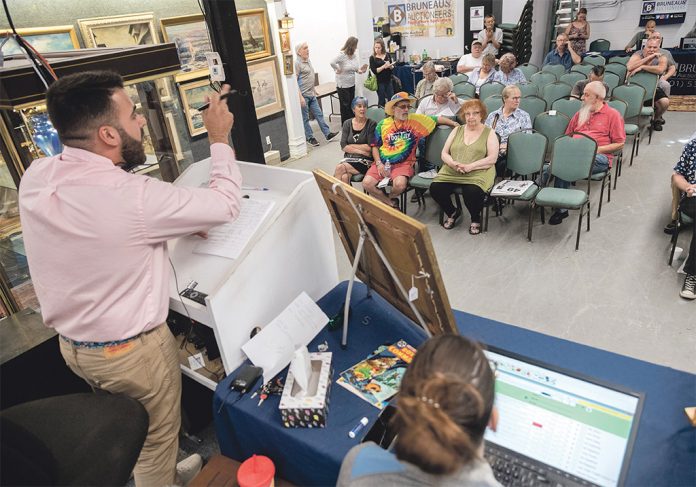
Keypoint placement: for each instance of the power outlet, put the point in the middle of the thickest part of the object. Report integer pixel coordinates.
(268, 140)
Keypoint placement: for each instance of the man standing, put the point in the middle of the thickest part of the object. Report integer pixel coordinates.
(651, 60)
(96, 241)
(308, 96)
(491, 38)
(562, 54)
(684, 179)
(468, 62)
(602, 123)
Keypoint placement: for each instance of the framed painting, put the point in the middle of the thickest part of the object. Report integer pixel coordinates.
(284, 41)
(193, 96)
(190, 35)
(43, 39)
(119, 30)
(265, 87)
(288, 65)
(253, 26)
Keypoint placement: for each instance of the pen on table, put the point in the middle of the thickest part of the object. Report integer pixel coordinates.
(254, 188)
(223, 97)
(356, 429)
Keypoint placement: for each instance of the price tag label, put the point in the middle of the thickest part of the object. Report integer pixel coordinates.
(413, 294)
(196, 361)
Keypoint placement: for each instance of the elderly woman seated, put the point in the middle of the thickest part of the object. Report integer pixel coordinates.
(442, 102)
(469, 157)
(507, 119)
(483, 73)
(356, 135)
(508, 73)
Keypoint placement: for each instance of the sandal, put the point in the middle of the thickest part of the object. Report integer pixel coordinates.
(475, 228)
(395, 204)
(451, 221)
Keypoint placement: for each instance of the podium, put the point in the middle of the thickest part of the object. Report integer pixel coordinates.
(291, 252)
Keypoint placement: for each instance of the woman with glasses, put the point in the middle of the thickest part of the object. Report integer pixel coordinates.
(443, 408)
(469, 157)
(507, 119)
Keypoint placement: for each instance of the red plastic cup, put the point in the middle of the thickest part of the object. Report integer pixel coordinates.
(257, 471)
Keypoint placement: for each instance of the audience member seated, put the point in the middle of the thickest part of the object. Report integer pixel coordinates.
(491, 37)
(676, 196)
(483, 73)
(444, 406)
(425, 86)
(599, 121)
(356, 136)
(663, 82)
(395, 142)
(578, 31)
(508, 74)
(597, 74)
(442, 102)
(652, 61)
(505, 120)
(468, 62)
(684, 178)
(562, 54)
(469, 157)
(636, 42)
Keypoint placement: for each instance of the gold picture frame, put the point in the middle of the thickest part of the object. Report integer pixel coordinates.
(253, 25)
(285, 43)
(288, 64)
(190, 34)
(119, 30)
(44, 39)
(265, 87)
(193, 95)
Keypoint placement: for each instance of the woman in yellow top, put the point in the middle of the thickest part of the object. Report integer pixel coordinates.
(469, 157)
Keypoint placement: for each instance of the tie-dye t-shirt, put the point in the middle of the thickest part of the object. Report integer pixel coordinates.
(398, 143)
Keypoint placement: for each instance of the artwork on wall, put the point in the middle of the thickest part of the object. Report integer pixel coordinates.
(253, 26)
(285, 41)
(265, 87)
(190, 35)
(44, 39)
(193, 96)
(119, 30)
(288, 65)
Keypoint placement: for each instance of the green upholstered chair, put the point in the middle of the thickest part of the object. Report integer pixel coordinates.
(633, 96)
(582, 68)
(599, 45)
(543, 78)
(621, 107)
(552, 126)
(649, 82)
(568, 106)
(433, 154)
(572, 77)
(682, 220)
(493, 102)
(528, 70)
(618, 69)
(612, 80)
(553, 91)
(533, 105)
(375, 113)
(489, 89)
(528, 89)
(594, 60)
(619, 59)
(573, 156)
(465, 88)
(459, 78)
(557, 69)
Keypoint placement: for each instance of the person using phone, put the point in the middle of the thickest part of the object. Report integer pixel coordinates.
(563, 53)
(445, 403)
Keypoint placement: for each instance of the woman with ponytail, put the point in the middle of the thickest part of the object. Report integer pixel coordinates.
(444, 406)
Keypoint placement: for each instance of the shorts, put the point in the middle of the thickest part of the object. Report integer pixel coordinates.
(401, 169)
(659, 94)
(360, 166)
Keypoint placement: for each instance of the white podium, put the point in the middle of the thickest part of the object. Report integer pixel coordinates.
(293, 251)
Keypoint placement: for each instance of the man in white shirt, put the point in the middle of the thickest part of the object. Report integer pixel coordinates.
(491, 37)
(442, 102)
(468, 62)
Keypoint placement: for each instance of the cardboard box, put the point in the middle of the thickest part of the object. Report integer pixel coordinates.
(311, 409)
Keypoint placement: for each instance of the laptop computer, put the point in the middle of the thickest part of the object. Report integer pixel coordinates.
(557, 427)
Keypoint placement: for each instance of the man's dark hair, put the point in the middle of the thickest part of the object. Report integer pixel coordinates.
(81, 102)
(598, 71)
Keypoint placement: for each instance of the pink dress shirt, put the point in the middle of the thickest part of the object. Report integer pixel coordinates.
(96, 238)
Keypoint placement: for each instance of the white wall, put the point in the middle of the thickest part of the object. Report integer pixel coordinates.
(541, 12)
(512, 9)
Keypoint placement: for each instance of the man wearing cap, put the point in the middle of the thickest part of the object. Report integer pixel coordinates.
(395, 142)
(468, 62)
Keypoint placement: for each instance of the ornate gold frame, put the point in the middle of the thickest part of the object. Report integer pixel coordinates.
(261, 13)
(182, 20)
(86, 25)
(54, 29)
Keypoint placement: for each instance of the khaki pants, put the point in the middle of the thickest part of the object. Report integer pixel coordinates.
(146, 369)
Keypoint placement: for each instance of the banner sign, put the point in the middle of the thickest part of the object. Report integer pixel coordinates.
(684, 81)
(663, 11)
(427, 18)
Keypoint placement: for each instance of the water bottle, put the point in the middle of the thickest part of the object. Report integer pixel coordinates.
(425, 55)
(387, 169)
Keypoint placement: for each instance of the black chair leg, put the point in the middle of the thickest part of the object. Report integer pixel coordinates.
(531, 218)
(588, 215)
(675, 237)
(577, 238)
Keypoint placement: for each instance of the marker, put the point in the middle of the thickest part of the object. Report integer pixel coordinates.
(356, 429)
(226, 95)
(254, 188)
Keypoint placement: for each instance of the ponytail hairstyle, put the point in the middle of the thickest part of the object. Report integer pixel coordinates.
(350, 46)
(444, 405)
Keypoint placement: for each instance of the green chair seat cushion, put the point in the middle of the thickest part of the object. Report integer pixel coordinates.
(528, 195)
(647, 111)
(631, 128)
(419, 182)
(357, 178)
(561, 198)
(598, 176)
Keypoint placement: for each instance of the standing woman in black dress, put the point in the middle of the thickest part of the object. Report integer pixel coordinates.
(381, 65)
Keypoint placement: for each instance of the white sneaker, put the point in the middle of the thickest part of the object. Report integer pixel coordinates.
(428, 174)
(187, 469)
(689, 288)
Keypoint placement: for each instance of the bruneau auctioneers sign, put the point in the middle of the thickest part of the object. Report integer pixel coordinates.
(427, 18)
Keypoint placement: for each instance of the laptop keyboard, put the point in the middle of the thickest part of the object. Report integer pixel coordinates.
(512, 470)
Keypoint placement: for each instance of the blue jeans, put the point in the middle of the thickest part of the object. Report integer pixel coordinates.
(601, 164)
(311, 103)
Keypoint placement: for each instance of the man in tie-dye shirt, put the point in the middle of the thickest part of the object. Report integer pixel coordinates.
(395, 142)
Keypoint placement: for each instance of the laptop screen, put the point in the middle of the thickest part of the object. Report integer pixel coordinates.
(575, 425)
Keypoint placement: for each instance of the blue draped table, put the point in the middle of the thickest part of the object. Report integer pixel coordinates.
(664, 453)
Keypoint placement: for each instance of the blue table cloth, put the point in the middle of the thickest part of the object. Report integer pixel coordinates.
(664, 453)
